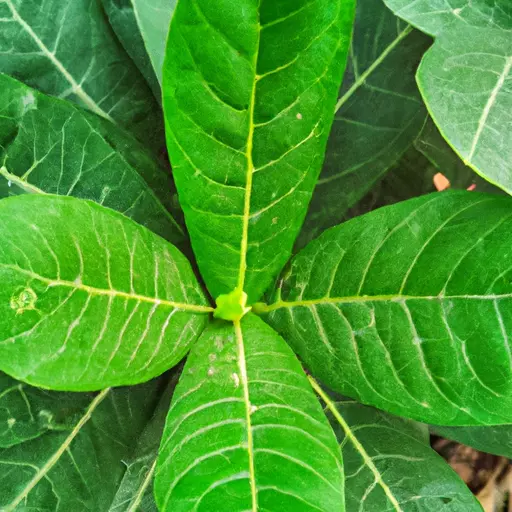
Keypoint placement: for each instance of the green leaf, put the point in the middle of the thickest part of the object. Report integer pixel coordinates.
(379, 113)
(408, 308)
(78, 467)
(89, 299)
(390, 465)
(463, 78)
(249, 95)
(496, 439)
(142, 27)
(51, 146)
(438, 16)
(245, 431)
(67, 49)
(135, 493)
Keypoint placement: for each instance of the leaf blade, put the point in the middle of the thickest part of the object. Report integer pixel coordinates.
(359, 320)
(108, 304)
(250, 391)
(240, 197)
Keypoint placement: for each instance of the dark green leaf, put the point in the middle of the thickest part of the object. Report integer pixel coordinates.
(390, 466)
(496, 439)
(77, 463)
(89, 299)
(249, 95)
(409, 308)
(67, 49)
(51, 146)
(142, 27)
(379, 113)
(245, 431)
(135, 492)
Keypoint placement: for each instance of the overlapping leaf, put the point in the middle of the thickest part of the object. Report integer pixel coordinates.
(142, 27)
(496, 439)
(390, 466)
(67, 49)
(90, 299)
(245, 431)
(249, 95)
(77, 462)
(378, 114)
(408, 308)
(51, 146)
(464, 78)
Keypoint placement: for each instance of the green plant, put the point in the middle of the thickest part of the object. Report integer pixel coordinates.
(406, 309)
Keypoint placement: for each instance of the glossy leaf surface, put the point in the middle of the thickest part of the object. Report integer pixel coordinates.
(245, 430)
(78, 462)
(390, 465)
(51, 146)
(67, 49)
(90, 299)
(378, 114)
(397, 309)
(249, 95)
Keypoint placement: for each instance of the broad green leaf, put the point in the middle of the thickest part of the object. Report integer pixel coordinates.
(464, 81)
(135, 493)
(378, 114)
(463, 78)
(89, 299)
(142, 27)
(390, 466)
(437, 16)
(496, 439)
(249, 96)
(51, 146)
(408, 308)
(67, 49)
(245, 431)
(79, 466)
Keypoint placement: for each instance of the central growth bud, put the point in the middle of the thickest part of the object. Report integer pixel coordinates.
(231, 306)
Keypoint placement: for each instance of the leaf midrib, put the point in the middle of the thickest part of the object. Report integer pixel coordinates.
(267, 308)
(357, 445)
(76, 87)
(249, 170)
(110, 292)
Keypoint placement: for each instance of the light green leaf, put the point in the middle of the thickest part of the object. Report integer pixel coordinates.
(51, 146)
(142, 27)
(67, 49)
(379, 113)
(463, 80)
(79, 467)
(90, 299)
(496, 439)
(249, 95)
(390, 466)
(245, 431)
(408, 308)
(437, 16)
